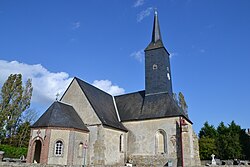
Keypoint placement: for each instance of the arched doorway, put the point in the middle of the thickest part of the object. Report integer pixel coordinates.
(37, 154)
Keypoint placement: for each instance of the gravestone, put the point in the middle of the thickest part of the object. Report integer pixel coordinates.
(1, 155)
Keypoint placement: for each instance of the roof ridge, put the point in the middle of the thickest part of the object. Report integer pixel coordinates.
(92, 86)
(51, 112)
(130, 93)
(116, 109)
(86, 89)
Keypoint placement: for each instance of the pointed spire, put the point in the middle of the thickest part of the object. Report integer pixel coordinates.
(156, 34)
(156, 41)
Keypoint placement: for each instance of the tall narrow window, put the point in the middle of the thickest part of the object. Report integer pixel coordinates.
(121, 143)
(160, 142)
(80, 150)
(59, 148)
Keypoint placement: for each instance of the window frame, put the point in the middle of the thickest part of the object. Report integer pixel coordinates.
(157, 140)
(80, 150)
(58, 149)
(121, 143)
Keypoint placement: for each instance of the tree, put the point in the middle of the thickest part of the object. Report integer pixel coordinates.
(228, 142)
(245, 144)
(182, 102)
(234, 141)
(23, 131)
(15, 99)
(207, 147)
(22, 136)
(207, 141)
(208, 131)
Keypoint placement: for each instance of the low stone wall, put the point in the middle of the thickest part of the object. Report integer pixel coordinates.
(227, 162)
(12, 164)
(148, 160)
(19, 164)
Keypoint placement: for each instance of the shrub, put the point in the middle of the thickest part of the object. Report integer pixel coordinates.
(13, 152)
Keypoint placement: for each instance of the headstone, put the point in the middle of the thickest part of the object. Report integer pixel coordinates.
(1, 155)
(129, 164)
(236, 162)
(213, 160)
(170, 163)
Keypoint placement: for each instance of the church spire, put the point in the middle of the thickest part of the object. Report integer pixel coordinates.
(156, 34)
(156, 41)
(157, 64)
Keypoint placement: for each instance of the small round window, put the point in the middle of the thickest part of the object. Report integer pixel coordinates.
(155, 67)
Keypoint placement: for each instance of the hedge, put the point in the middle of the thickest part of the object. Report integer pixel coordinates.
(13, 152)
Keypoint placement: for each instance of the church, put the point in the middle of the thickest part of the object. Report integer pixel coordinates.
(93, 128)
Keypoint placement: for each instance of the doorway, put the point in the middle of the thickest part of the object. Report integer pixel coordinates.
(37, 154)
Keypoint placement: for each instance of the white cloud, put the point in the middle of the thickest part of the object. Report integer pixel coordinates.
(45, 84)
(108, 87)
(138, 3)
(138, 55)
(144, 14)
(76, 25)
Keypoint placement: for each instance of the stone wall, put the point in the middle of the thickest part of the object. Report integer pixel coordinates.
(113, 154)
(75, 97)
(103, 146)
(142, 144)
(141, 136)
(56, 135)
(11, 164)
(70, 138)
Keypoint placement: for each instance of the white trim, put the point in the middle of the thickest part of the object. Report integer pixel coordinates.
(116, 110)
(64, 103)
(155, 93)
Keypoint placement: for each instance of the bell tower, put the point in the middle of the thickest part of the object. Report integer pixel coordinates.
(157, 64)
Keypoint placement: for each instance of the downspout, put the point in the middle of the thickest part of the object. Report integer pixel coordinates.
(182, 156)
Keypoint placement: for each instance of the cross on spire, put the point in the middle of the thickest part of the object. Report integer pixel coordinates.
(57, 95)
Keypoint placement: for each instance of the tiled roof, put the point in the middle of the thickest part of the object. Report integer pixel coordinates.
(102, 104)
(137, 106)
(60, 115)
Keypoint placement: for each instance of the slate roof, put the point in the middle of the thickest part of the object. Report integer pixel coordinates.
(156, 41)
(60, 115)
(102, 104)
(137, 106)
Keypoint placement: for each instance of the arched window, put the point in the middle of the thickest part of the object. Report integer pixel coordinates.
(161, 146)
(59, 148)
(121, 148)
(80, 150)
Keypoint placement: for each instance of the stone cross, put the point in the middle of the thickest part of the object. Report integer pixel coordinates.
(213, 160)
(57, 95)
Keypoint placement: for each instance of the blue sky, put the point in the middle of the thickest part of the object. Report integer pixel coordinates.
(102, 42)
